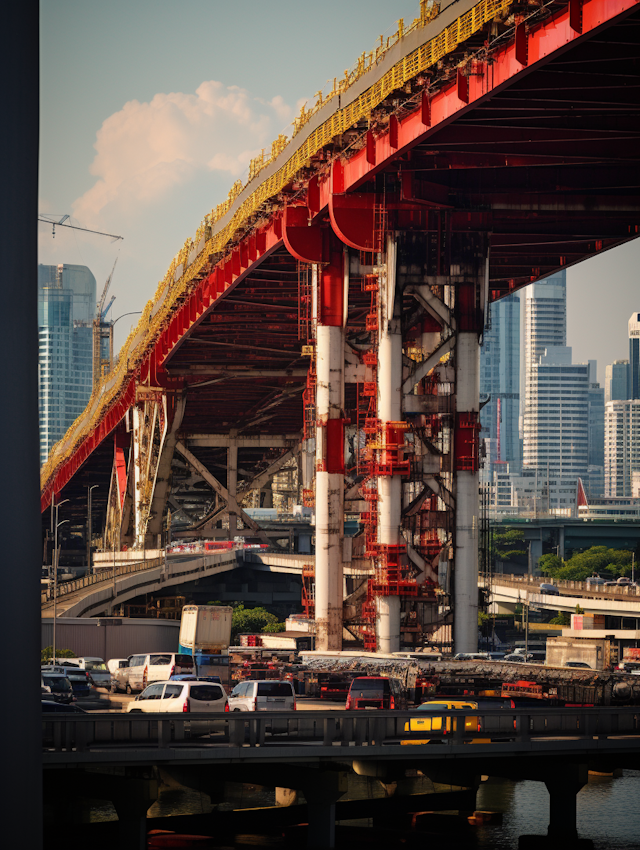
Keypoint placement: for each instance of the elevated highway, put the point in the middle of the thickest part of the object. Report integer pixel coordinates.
(508, 591)
(97, 594)
(326, 318)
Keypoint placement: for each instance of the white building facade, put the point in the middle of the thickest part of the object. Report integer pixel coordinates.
(621, 447)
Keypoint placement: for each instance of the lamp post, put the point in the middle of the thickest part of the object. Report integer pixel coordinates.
(89, 526)
(55, 574)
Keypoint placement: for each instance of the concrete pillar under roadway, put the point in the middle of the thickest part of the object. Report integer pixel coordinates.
(563, 788)
(535, 553)
(389, 410)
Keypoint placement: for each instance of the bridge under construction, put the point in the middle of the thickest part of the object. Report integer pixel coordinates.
(326, 319)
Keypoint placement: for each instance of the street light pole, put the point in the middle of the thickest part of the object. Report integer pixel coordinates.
(55, 574)
(89, 525)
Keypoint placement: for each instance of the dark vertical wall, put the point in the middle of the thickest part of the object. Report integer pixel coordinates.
(19, 491)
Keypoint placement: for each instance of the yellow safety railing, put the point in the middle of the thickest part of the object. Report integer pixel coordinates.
(180, 277)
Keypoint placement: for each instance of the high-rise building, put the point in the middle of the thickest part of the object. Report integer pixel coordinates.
(634, 356)
(556, 417)
(500, 381)
(544, 321)
(616, 381)
(595, 394)
(621, 447)
(66, 305)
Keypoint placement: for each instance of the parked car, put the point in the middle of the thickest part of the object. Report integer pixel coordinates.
(189, 677)
(267, 695)
(49, 706)
(624, 581)
(143, 670)
(180, 697)
(549, 589)
(59, 685)
(582, 665)
(472, 656)
(96, 667)
(628, 666)
(368, 692)
(82, 684)
(519, 657)
(595, 580)
(497, 656)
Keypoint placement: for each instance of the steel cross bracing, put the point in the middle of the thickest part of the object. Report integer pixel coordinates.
(517, 157)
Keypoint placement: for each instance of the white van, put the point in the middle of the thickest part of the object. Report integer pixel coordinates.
(154, 667)
(96, 666)
(266, 695)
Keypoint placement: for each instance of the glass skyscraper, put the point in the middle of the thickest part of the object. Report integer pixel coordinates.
(66, 307)
(616, 381)
(500, 381)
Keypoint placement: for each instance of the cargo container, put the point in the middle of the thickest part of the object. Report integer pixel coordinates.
(205, 629)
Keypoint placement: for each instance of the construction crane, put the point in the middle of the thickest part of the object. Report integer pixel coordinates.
(50, 218)
(103, 334)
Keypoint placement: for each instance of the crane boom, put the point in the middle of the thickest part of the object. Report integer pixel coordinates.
(107, 308)
(101, 311)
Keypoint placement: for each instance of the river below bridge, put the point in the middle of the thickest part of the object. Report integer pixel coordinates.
(608, 811)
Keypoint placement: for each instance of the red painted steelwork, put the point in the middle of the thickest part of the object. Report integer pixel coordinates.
(439, 109)
(331, 289)
(302, 242)
(120, 464)
(335, 445)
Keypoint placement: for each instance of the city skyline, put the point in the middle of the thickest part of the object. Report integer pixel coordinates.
(163, 135)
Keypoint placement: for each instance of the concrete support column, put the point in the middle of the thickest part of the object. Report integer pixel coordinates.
(466, 461)
(389, 410)
(535, 553)
(232, 480)
(137, 418)
(321, 793)
(330, 451)
(563, 790)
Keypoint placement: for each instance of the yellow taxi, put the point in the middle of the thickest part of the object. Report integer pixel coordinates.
(431, 721)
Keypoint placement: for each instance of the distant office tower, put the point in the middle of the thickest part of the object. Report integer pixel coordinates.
(556, 417)
(621, 447)
(500, 380)
(616, 381)
(544, 319)
(634, 356)
(66, 305)
(595, 483)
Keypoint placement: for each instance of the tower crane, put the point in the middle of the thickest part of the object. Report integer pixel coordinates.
(103, 333)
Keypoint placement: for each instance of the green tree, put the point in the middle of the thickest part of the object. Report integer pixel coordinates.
(252, 621)
(46, 654)
(507, 545)
(563, 619)
(550, 565)
(275, 627)
(581, 565)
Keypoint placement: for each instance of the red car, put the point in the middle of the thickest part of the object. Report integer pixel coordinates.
(375, 692)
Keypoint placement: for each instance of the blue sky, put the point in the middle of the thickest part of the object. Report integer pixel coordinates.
(151, 110)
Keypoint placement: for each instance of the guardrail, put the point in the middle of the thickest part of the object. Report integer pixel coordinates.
(66, 587)
(579, 587)
(78, 733)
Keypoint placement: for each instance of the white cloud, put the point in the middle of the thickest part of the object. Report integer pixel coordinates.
(145, 150)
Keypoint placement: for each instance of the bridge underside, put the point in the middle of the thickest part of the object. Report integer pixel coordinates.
(334, 349)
